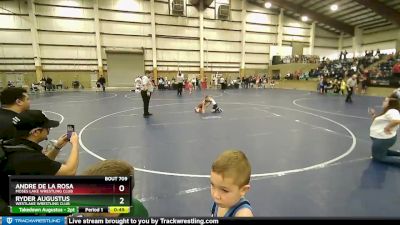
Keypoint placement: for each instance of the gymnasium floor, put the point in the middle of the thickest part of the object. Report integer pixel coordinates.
(310, 154)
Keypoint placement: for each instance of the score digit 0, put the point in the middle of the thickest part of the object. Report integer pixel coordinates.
(121, 188)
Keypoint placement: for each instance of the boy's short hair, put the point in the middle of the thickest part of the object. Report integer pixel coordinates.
(110, 168)
(233, 164)
(10, 95)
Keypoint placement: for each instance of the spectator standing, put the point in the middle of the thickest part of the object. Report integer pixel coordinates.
(13, 101)
(194, 83)
(102, 82)
(364, 82)
(396, 69)
(342, 86)
(179, 80)
(49, 84)
(43, 83)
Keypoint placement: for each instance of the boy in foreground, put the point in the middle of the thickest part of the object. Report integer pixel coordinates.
(230, 178)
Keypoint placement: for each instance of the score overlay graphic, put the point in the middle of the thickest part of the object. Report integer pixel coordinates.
(70, 194)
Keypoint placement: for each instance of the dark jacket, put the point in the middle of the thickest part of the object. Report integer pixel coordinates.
(101, 80)
(25, 159)
(7, 129)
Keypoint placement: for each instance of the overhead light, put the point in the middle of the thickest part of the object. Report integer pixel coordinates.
(334, 7)
(268, 5)
(304, 18)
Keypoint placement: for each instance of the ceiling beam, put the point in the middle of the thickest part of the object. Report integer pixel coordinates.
(372, 23)
(341, 3)
(381, 9)
(323, 5)
(314, 16)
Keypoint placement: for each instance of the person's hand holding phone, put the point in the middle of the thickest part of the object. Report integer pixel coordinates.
(371, 111)
(74, 138)
(61, 141)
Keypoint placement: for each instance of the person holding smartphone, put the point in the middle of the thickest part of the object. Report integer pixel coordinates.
(383, 131)
(33, 127)
(26, 157)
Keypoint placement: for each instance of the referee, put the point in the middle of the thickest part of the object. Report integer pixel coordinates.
(351, 84)
(145, 91)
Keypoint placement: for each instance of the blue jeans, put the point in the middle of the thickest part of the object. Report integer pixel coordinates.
(382, 153)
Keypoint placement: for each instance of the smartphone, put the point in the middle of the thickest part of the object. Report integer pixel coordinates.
(70, 129)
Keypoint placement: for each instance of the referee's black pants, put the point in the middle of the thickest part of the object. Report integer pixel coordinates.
(349, 94)
(180, 87)
(146, 101)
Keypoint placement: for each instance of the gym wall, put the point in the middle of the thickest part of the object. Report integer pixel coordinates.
(67, 40)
